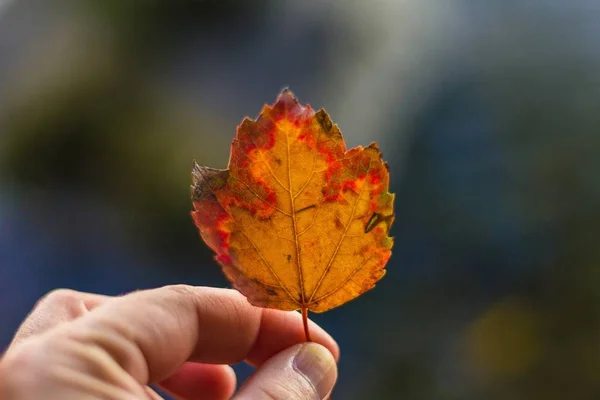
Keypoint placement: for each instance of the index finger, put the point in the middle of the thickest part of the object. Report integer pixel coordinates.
(152, 332)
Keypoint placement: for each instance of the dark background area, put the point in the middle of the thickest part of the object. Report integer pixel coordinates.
(487, 113)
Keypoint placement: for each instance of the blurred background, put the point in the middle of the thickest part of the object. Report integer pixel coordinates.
(487, 112)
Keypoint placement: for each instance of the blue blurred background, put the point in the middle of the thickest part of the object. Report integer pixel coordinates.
(487, 112)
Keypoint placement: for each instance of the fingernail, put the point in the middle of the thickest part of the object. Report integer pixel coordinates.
(317, 364)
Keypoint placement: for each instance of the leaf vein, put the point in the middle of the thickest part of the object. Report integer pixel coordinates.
(349, 278)
(269, 167)
(312, 172)
(269, 266)
(334, 254)
(260, 198)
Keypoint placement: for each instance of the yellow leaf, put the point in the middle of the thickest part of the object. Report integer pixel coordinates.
(297, 221)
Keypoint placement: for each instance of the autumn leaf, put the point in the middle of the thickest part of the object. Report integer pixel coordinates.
(296, 221)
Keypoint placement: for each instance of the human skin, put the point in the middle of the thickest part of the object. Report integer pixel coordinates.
(85, 346)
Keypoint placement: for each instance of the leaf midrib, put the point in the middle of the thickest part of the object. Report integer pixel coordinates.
(294, 226)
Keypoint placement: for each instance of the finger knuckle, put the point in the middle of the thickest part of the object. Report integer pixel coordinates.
(59, 297)
(180, 290)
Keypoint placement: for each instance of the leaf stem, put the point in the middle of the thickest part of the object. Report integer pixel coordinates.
(305, 321)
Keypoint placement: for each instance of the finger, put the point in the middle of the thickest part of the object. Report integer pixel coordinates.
(302, 372)
(57, 307)
(288, 328)
(151, 333)
(194, 381)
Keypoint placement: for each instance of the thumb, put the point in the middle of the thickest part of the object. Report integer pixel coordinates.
(302, 372)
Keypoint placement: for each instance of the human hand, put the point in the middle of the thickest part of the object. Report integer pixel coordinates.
(84, 346)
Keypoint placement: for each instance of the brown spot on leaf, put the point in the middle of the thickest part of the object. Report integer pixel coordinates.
(338, 223)
(305, 208)
(324, 120)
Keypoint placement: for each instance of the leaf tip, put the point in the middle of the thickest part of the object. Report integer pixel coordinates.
(286, 99)
(205, 180)
(375, 147)
(196, 173)
(287, 92)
